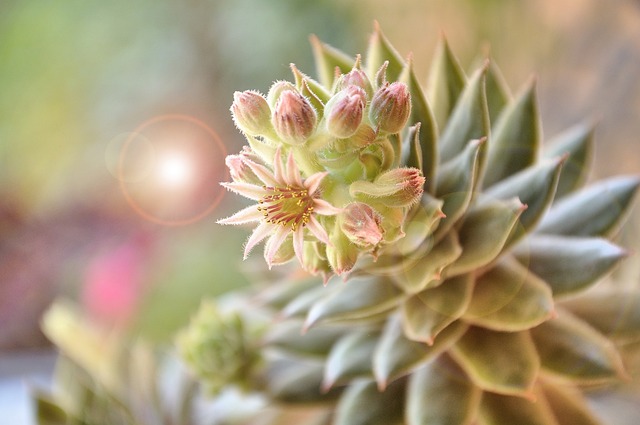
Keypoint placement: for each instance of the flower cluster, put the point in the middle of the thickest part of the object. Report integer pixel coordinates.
(324, 167)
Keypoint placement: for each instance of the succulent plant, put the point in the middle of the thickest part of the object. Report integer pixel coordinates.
(437, 262)
(465, 245)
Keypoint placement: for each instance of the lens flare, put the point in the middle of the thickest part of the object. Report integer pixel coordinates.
(175, 170)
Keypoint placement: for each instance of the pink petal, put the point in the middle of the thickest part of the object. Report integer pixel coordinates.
(322, 207)
(259, 233)
(298, 243)
(318, 231)
(277, 167)
(247, 190)
(263, 173)
(245, 215)
(293, 173)
(313, 181)
(274, 243)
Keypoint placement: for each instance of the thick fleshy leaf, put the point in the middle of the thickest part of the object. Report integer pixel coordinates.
(509, 298)
(350, 358)
(577, 143)
(440, 393)
(312, 89)
(295, 380)
(515, 139)
(498, 409)
(597, 210)
(500, 362)
(427, 313)
(419, 225)
(484, 231)
(301, 304)
(279, 294)
(456, 182)
(570, 348)
(469, 119)
(363, 404)
(445, 84)
(568, 405)
(568, 264)
(395, 355)
(498, 93)
(327, 58)
(356, 299)
(427, 134)
(380, 50)
(316, 342)
(412, 149)
(616, 314)
(426, 272)
(535, 187)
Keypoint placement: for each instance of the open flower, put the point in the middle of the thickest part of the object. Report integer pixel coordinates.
(287, 204)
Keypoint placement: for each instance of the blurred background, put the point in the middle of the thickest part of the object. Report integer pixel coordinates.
(114, 125)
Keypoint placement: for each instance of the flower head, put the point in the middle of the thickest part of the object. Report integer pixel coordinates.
(287, 205)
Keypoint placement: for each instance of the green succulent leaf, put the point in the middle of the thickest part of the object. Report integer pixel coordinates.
(294, 380)
(279, 294)
(597, 210)
(359, 298)
(317, 342)
(568, 264)
(568, 405)
(411, 144)
(469, 119)
(380, 50)
(327, 58)
(535, 186)
(577, 144)
(456, 183)
(615, 314)
(509, 298)
(570, 348)
(498, 93)
(427, 134)
(426, 272)
(483, 233)
(516, 138)
(363, 404)
(496, 409)
(419, 227)
(301, 304)
(395, 355)
(440, 393)
(429, 312)
(445, 84)
(350, 357)
(500, 362)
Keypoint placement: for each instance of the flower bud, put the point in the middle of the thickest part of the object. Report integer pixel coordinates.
(399, 187)
(391, 107)
(362, 224)
(240, 170)
(344, 111)
(276, 90)
(251, 113)
(294, 119)
(341, 254)
(355, 77)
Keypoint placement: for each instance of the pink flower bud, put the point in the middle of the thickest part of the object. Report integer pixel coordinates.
(294, 119)
(251, 113)
(276, 90)
(344, 111)
(362, 224)
(391, 107)
(355, 77)
(399, 187)
(238, 168)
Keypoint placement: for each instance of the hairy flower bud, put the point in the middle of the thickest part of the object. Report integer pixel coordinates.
(276, 90)
(251, 113)
(355, 77)
(399, 187)
(362, 224)
(344, 111)
(342, 254)
(391, 107)
(294, 119)
(239, 167)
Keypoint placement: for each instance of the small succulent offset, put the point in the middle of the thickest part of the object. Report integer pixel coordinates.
(466, 253)
(464, 245)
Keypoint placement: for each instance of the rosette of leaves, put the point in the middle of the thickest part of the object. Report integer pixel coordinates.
(484, 313)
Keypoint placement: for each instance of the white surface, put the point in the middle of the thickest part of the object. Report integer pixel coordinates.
(19, 372)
